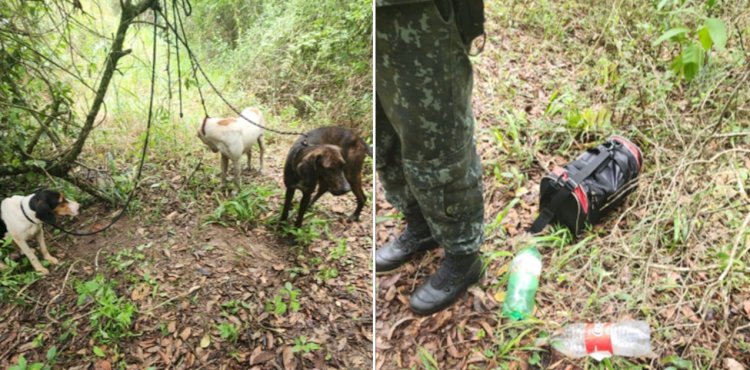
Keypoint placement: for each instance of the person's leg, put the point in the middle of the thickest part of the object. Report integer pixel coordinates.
(390, 169)
(424, 81)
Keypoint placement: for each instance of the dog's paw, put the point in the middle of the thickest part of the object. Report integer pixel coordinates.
(353, 218)
(42, 270)
(52, 260)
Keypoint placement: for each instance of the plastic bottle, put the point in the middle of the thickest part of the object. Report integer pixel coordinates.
(627, 338)
(522, 284)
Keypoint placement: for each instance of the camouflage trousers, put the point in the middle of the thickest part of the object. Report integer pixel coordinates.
(426, 153)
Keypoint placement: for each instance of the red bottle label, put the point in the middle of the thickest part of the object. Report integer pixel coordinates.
(597, 338)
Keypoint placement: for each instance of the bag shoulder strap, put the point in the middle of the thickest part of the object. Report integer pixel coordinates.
(592, 166)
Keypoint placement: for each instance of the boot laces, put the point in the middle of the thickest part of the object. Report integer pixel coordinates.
(404, 242)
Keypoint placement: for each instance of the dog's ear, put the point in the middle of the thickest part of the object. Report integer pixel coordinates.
(45, 213)
(40, 203)
(331, 158)
(323, 160)
(307, 167)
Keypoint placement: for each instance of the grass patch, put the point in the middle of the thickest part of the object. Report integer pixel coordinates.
(247, 207)
(111, 316)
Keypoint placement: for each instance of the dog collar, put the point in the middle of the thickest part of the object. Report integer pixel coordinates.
(24, 213)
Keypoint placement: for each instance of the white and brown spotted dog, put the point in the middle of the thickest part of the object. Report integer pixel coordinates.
(22, 217)
(233, 138)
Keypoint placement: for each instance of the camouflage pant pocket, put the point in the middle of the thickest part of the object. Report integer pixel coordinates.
(448, 189)
(463, 198)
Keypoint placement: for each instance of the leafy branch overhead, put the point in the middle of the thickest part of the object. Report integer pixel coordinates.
(695, 44)
(40, 123)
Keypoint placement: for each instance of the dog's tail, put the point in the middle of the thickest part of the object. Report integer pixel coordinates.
(202, 131)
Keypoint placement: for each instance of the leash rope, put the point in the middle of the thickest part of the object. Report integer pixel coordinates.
(143, 150)
(196, 65)
(169, 61)
(177, 51)
(190, 56)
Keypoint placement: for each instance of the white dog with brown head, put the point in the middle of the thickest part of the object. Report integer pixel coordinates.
(23, 217)
(233, 138)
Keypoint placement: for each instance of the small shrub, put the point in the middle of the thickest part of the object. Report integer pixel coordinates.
(48, 365)
(284, 301)
(228, 332)
(247, 206)
(327, 273)
(301, 344)
(112, 316)
(340, 250)
(125, 258)
(311, 230)
(695, 45)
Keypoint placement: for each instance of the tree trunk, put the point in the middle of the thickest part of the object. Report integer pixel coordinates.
(61, 166)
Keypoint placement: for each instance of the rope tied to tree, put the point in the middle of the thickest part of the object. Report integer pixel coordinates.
(144, 150)
(196, 67)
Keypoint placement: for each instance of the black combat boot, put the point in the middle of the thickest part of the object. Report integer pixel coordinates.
(456, 274)
(416, 237)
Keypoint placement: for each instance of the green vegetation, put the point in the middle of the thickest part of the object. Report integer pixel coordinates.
(304, 64)
(74, 94)
(309, 61)
(286, 300)
(47, 365)
(17, 277)
(246, 207)
(301, 344)
(112, 316)
(228, 332)
(312, 229)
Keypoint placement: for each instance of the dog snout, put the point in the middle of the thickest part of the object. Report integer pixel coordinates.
(73, 208)
(343, 189)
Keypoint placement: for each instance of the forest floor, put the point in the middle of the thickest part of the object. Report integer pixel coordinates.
(674, 255)
(229, 294)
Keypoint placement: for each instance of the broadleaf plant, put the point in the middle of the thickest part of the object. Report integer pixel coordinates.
(695, 45)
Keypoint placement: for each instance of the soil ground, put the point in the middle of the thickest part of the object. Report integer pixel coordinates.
(186, 277)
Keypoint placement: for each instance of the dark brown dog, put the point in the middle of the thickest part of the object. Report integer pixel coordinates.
(331, 159)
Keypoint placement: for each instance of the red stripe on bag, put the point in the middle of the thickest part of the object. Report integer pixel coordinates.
(578, 192)
(631, 147)
(582, 198)
(598, 338)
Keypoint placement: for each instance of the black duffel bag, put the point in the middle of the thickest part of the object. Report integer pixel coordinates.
(586, 189)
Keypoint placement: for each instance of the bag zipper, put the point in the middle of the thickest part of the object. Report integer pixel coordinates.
(619, 193)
